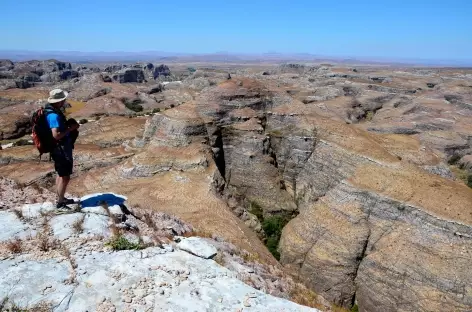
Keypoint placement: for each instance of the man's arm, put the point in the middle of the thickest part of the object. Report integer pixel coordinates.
(54, 122)
(59, 135)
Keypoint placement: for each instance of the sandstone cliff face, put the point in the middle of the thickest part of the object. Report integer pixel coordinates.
(374, 231)
(368, 203)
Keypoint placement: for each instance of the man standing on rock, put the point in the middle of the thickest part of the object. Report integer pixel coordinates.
(62, 152)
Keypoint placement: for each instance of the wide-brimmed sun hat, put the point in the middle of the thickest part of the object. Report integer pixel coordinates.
(57, 95)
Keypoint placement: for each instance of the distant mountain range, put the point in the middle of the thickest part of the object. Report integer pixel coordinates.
(224, 57)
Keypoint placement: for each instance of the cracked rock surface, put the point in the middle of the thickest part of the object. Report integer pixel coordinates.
(64, 262)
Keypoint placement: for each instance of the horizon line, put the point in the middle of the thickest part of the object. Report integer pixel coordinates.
(305, 56)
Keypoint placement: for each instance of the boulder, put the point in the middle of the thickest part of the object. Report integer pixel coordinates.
(161, 71)
(155, 89)
(101, 92)
(198, 246)
(466, 163)
(24, 84)
(58, 76)
(14, 127)
(129, 75)
(106, 78)
(68, 74)
(114, 68)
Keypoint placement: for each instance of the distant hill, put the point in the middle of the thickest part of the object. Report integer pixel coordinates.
(224, 57)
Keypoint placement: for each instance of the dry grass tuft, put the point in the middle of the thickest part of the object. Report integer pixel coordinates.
(18, 213)
(15, 245)
(198, 233)
(46, 243)
(220, 259)
(249, 257)
(304, 296)
(149, 222)
(78, 225)
(7, 305)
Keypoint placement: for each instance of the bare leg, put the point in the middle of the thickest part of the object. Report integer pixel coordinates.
(58, 181)
(61, 183)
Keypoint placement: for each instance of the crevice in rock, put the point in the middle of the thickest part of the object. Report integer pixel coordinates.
(218, 152)
(359, 260)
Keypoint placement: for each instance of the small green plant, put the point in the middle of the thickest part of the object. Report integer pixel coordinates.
(22, 142)
(273, 227)
(276, 133)
(272, 244)
(256, 210)
(355, 308)
(369, 116)
(469, 181)
(120, 242)
(191, 69)
(134, 105)
(156, 110)
(454, 159)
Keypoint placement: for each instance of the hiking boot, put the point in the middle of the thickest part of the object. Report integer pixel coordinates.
(65, 202)
(63, 205)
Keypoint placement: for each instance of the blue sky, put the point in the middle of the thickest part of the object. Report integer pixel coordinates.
(427, 29)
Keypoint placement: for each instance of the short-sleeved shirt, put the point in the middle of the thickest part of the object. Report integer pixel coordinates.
(55, 121)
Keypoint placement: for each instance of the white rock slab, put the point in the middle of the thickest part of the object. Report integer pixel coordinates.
(11, 226)
(169, 281)
(95, 224)
(62, 225)
(198, 247)
(31, 211)
(29, 282)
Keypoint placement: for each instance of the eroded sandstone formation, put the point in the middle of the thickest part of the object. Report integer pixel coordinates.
(369, 167)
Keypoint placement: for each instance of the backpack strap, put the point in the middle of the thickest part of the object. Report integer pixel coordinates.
(49, 109)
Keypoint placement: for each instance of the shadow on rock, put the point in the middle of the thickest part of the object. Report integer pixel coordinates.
(98, 199)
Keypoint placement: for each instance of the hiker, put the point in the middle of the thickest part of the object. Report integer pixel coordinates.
(64, 133)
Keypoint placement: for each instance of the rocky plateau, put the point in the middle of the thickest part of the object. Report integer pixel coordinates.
(345, 187)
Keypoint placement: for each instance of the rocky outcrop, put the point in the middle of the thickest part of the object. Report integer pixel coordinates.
(160, 71)
(17, 129)
(112, 257)
(6, 65)
(55, 77)
(129, 75)
(361, 215)
(27, 74)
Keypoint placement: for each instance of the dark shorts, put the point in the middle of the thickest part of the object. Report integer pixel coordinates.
(63, 162)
